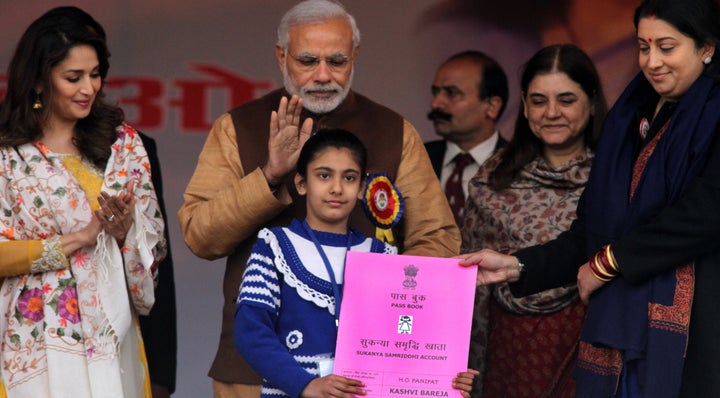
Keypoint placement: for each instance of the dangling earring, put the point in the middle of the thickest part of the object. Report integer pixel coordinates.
(707, 60)
(37, 104)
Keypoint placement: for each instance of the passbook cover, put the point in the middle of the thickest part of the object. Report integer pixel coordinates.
(405, 324)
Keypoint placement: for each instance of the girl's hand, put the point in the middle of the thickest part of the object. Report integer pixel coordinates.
(333, 386)
(464, 382)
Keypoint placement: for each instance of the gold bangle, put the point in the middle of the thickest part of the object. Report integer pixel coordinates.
(601, 269)
(592, 264)
(611, 259)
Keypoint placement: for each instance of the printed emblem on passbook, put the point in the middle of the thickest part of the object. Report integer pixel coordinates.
(410, 274)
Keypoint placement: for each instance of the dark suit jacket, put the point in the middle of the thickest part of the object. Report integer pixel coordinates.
(159, 328)
(436, 151)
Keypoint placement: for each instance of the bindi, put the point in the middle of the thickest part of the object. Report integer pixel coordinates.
(649, 40)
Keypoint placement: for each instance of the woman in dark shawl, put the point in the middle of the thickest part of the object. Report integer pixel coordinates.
(646, 239)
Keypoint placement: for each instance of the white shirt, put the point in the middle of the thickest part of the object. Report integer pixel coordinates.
(480, 153)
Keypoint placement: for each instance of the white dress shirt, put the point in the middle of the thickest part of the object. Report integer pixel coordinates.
(480, 153)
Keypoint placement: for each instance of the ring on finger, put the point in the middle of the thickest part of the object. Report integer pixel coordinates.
(111, 218)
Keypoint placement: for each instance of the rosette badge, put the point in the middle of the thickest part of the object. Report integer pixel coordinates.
(383, 204)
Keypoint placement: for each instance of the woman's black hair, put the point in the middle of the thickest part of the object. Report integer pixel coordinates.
(525, 146)
(331, 138)
(697, 19)
(45, 44)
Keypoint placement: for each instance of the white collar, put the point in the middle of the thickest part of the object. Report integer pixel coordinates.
(479, 152)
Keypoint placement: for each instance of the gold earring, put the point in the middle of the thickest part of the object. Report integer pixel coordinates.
(37, 104)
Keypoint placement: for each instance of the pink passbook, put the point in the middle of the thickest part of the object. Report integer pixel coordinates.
(405, 324)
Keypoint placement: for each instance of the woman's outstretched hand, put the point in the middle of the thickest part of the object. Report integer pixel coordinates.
(493, 267)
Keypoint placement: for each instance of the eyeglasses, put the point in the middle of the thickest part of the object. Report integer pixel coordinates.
(335, 63)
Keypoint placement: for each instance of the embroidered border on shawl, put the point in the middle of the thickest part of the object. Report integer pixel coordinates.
(676, 317)
(598, 360)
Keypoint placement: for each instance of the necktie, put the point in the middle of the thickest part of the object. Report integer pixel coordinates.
(454, 186)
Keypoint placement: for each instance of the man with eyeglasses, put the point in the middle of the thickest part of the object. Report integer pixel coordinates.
(243, 180)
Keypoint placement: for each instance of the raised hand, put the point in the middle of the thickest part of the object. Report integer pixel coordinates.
(287, 138)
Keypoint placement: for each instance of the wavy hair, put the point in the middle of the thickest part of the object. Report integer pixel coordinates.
(45, 44)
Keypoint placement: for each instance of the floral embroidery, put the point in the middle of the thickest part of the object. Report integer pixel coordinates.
(8, 233)
(294, 339)
(89, 177)
(42, 197)
(67, 305)
(52, 257)
(30, 305)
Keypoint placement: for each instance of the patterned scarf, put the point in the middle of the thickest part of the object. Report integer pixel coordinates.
(539, 205)
(70, 332)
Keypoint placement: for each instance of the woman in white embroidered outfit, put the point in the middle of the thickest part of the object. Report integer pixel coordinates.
(80, 227)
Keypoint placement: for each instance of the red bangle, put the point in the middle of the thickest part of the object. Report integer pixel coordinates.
(593, 269)
(602, 266)
(604, 263)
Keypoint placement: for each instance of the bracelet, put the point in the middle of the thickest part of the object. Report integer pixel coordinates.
(611, 259)
(603, 265)
(521, 267)
(596, 274)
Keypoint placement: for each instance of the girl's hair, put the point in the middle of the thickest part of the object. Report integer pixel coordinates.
(525, 146)
(45, 44)
(697, 19)
(331, 138)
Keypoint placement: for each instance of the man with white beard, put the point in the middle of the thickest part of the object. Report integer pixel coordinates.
(244, 177)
